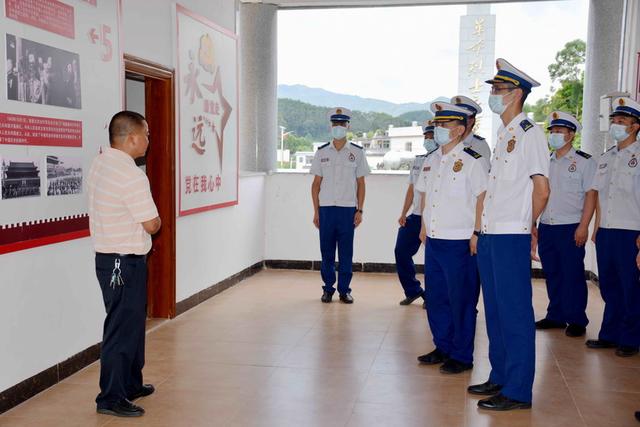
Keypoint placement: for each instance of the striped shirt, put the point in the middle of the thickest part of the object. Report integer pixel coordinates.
(119, 202)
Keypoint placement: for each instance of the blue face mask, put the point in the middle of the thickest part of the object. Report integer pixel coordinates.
(496, 104)
(556, 140)
(442, 136)
(618, 132)
(338, 132)
(430, 145)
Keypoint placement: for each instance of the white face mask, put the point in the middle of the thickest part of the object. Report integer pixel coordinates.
(442, 136)
(430, 145)
(338, 132)
(618, 132)
(496, 104)
(556, 140)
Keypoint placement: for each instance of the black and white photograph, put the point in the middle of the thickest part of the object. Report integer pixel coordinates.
(20, 177)
(64, 175)
(42, 74)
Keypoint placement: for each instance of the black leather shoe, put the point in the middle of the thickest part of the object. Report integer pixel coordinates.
(326, 297)
(575, 330)
(346, 298)
(626, 351)
(549, 324)
(453, 366)
(485, 389)
(146, 390)
(499, 402)
(600, 344)
(123, 408)
(433, 358)
(409, 300)
(637, 415)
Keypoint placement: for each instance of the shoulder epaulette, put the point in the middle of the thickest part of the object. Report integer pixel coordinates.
(472, 153)
(324, 145)
(478, 137)
(583, 154)
(526, 125)
(356, 145)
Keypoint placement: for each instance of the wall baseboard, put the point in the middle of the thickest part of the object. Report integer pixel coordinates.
(30, 387)
(379, 267)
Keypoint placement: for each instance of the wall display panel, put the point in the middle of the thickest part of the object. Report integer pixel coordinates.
(62, 78)
(207, 58)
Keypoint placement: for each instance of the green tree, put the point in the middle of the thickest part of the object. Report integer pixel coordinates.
(569, 62)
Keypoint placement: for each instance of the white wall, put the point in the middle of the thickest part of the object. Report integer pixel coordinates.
(291, 235)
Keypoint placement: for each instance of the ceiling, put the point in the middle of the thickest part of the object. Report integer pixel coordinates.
(303, 4)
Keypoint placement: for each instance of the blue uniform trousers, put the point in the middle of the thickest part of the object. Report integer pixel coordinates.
(336, 229)
(452, 291)
(504, 261)
(563, 265)
(122, 351)
(407, 245)
(619, 286)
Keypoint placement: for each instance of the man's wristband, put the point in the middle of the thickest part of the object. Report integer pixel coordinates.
(359, 210)
(476, 233)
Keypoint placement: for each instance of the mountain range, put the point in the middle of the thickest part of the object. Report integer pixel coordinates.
(325, 98)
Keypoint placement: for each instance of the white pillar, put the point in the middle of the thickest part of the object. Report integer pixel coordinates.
(258, 86)
(602, 67)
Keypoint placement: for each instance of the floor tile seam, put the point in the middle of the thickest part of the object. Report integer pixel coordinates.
(566, 383)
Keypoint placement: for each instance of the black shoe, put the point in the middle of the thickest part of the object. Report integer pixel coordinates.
(600, 344)
(500, 402)
(485, 389)
(346, 298)
(452, 366)
(326, 297)
(409, 300)
(575, 330)
(549, 324)
(123, 408)
(146, 390)
(638, 415)
(433, 358)
(626, 351)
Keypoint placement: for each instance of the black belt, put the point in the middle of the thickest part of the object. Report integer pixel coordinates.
(113, 255)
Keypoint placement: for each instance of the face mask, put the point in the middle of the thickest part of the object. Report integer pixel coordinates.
(338, 132)
(430, 145)
(556, 140)
(496, 104)
(618, 132)
(442, 136)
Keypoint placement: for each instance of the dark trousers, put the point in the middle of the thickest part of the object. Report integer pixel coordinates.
(407, 245)
(452, 292)
(336, 229)
(504, 261)
(619, 286)
(122, 352)
(563, 265)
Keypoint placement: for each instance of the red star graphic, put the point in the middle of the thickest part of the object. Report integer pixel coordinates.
(226, 111)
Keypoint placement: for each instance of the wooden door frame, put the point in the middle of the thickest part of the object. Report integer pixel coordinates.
(161, 170)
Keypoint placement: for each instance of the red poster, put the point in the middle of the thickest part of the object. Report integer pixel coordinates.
(50, 15)
(91, 2)
(30, 130)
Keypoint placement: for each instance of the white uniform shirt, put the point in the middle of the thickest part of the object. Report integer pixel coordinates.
(570, 177)
(521, 152)
(451, 183)
(339, 170)
(480, 146)
(416, 168)
(617, 181)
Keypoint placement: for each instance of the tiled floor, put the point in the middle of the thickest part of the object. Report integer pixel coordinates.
(268, 353)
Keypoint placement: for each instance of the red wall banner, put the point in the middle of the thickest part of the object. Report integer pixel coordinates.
(50, 15)
(44, 131)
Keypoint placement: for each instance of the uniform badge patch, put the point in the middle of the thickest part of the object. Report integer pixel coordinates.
(633, 162)
(572, 168)
(511, 145)
(352, 157)
(457, 166)
(324, 159)
(427, 168)
(602, 166)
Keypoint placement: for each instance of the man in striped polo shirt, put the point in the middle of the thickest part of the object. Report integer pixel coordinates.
(122, 218)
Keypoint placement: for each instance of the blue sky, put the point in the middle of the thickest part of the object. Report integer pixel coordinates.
(410, 54)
